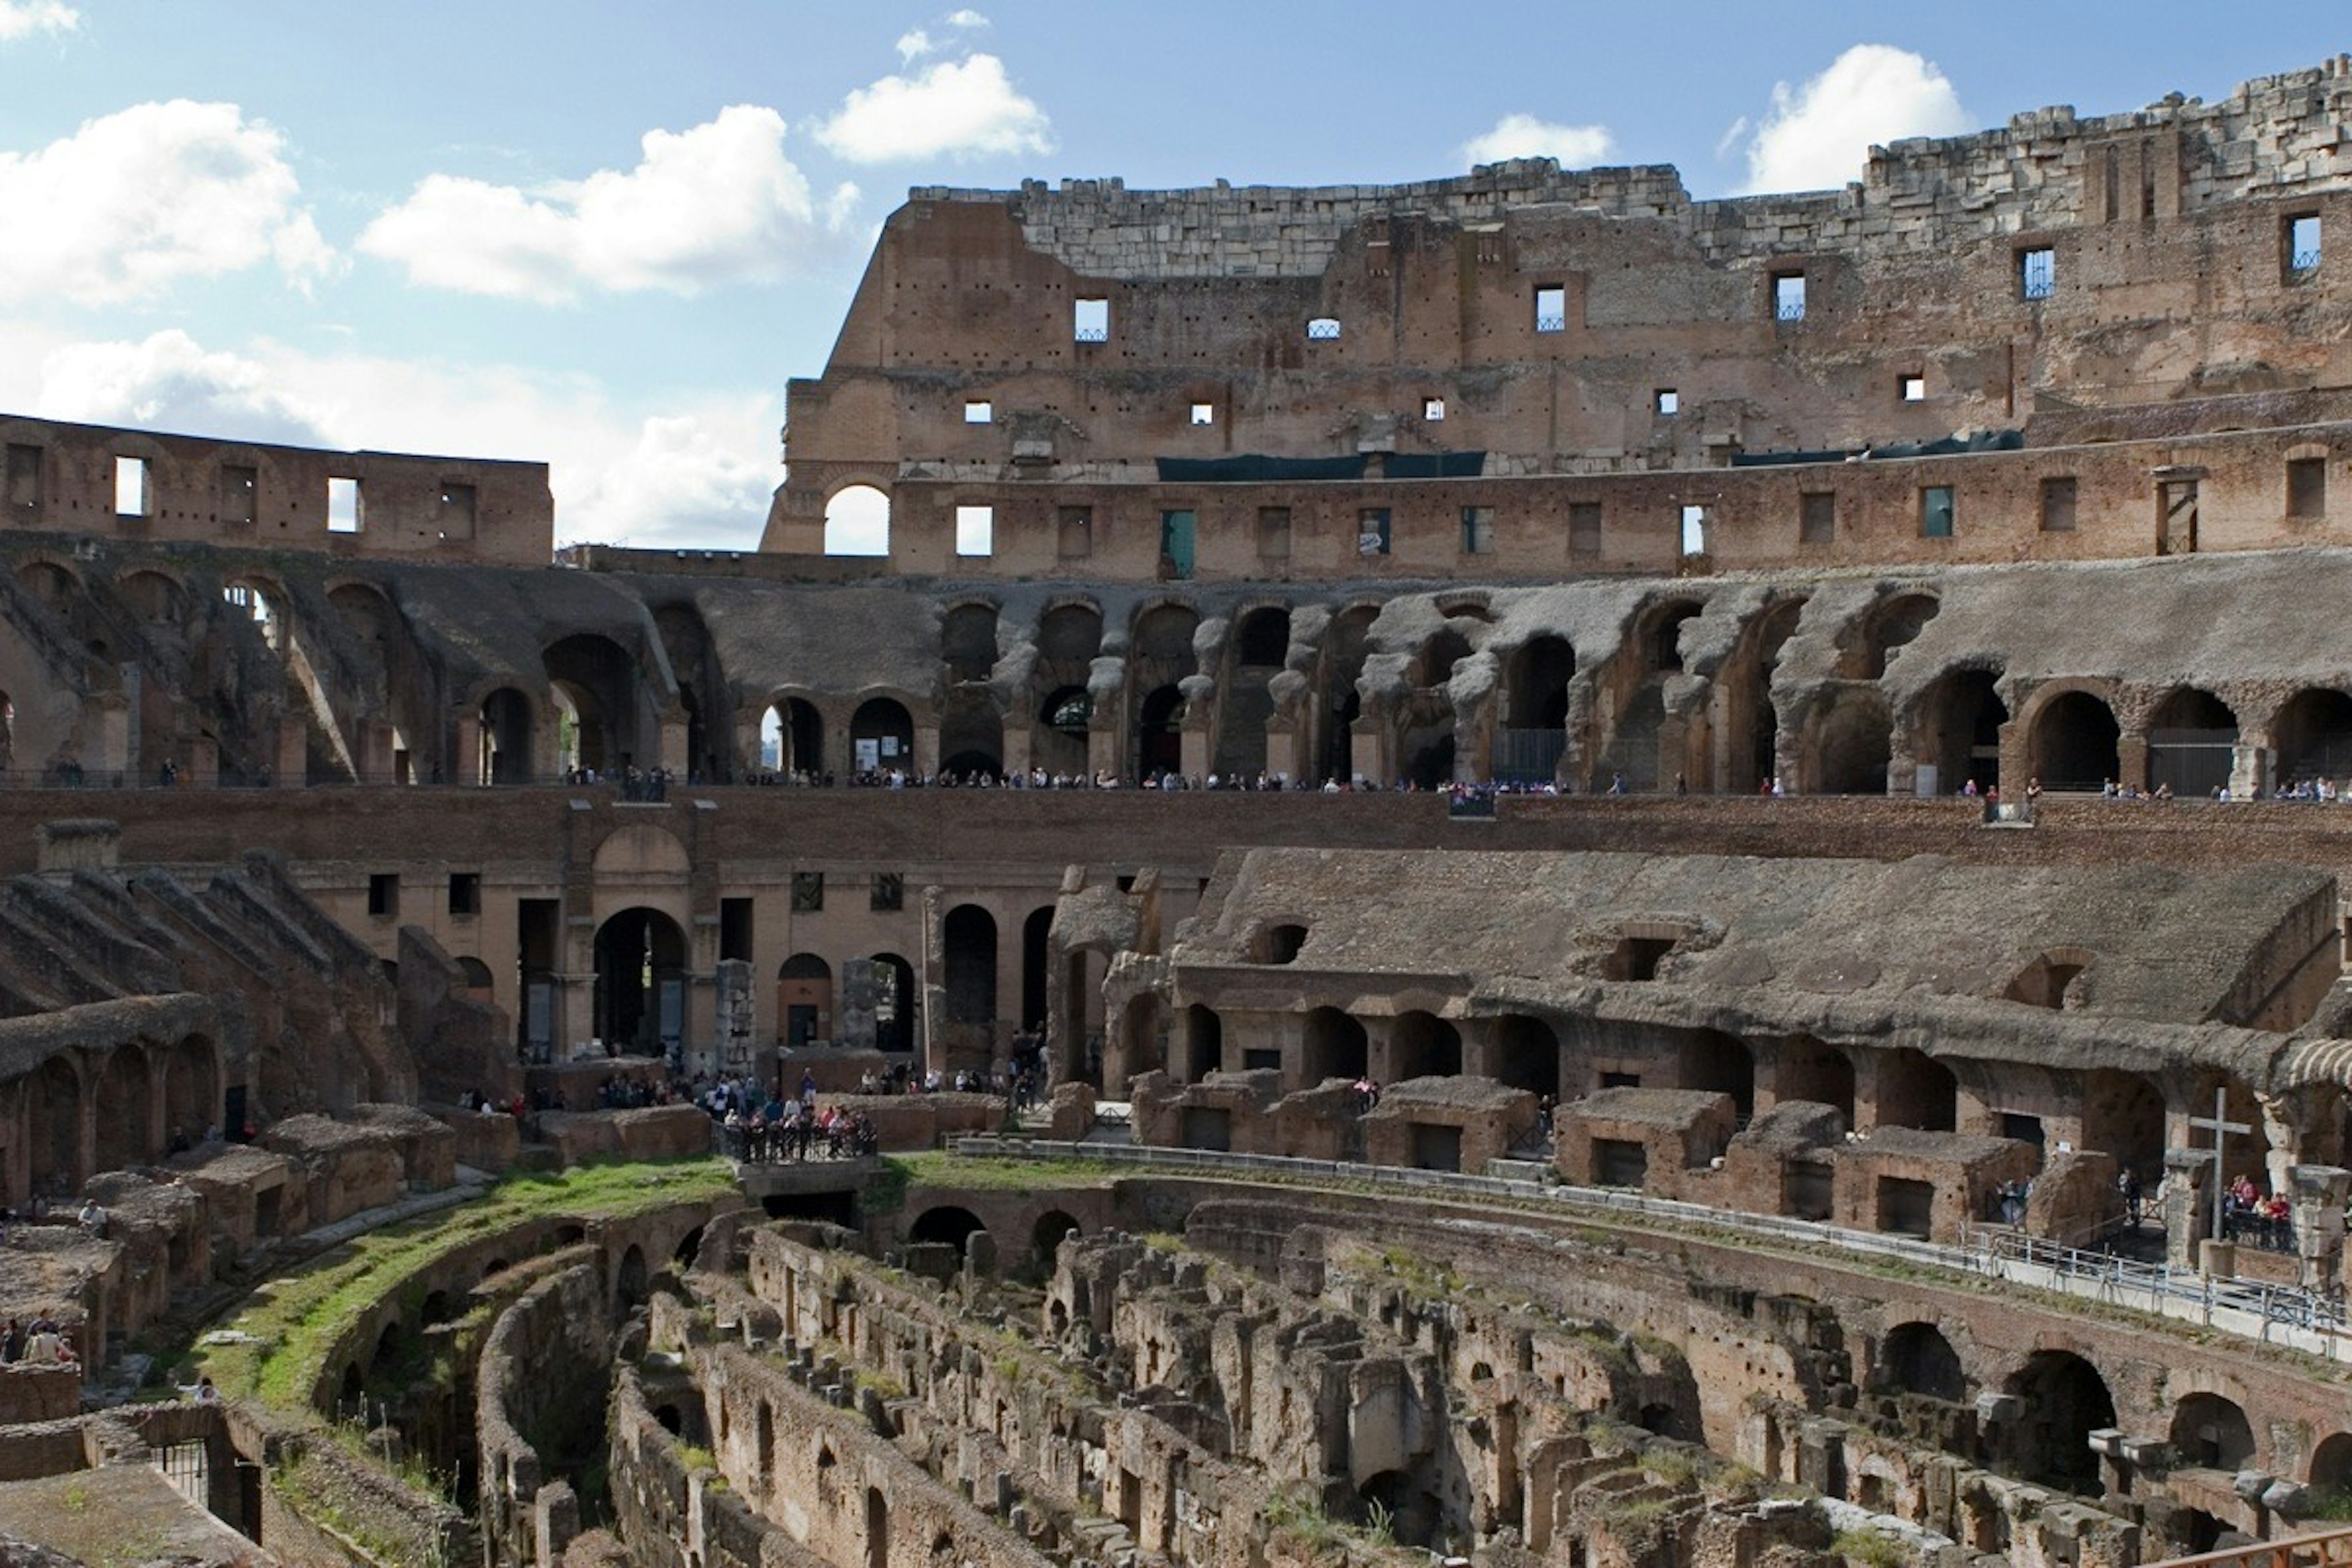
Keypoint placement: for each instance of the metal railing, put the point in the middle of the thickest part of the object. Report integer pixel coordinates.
(2323, 1549)
(2309, 1321)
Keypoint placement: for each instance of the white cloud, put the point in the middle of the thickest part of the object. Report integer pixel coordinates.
(134, 202)
(966, 19)
(914, 44)
(1525, 136)
(717, 204)
(23, 19)
(958, 109)
(696, 470)
(1819, 135)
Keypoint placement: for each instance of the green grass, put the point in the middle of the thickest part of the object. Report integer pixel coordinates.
(992, 1175)
(296, 1319)
(1870, 1548)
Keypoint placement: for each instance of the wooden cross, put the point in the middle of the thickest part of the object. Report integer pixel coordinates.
(2220, 1126)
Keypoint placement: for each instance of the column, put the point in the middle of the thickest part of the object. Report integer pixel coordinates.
(2188, 1205)
(2317, 1193)
(464, 765)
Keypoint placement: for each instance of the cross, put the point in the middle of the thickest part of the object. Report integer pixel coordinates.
(2219, 1126)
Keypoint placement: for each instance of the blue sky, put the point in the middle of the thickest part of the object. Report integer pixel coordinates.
(606, 236)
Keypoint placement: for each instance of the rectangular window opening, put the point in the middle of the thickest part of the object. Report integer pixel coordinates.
(1788, 296)
(1584, 530)
(1076, 530)
(975, 531)
(890, 891)
(24, 478)
(1477, 530)
(383, 894)
(1666, 402)
(1913, 388)
(2058, 504)
(130, 487)
(1273, 533)
(1205, 414)
(808, 892)
(2037, 272)
(1695, 521)
(1090, 322)
(1817, 517)
(1433, 409)
(343, 512)
(455, 516)
(735, 930)
(979, 411)
(465, 892)
(1372, 531)
(1935, 511)
(239, 487)
(2307, 488)
(1178, 528)
(2302, 238)
(1551, 308)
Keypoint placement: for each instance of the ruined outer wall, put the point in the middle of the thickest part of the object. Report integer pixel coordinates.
(61, 477)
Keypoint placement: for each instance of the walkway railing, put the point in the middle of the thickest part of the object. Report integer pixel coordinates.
(2328, 1549)
(2276, 1314)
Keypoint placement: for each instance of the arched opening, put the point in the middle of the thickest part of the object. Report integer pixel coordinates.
(1142, 1041)
(2331, 1465)
(2312, 734)
(1527, 748)
(1034, 933)
(946, 1226)
(1887, 629)
(857, 521)
(1344, 651)
(667, 1416)
(1422, 1045)
(1160, 734)
(506, 739)
(2192, 744)
(629, 1281)
(804, 1000)
(54, 1103)
(1852, 745)
(763, 1436)
(1661, 643)
(2211, 1433)
(1046, 1236)
(1810, 1070)
(894, 1002)
(1961, 717)
(1752, 690)
(1720, 1064)
(2046, 981)
(2122, 1115)
(1526, 1055)
(1438, 658)
(701, 682)
(122, 1131)
(2074, 745)
(881, 736)
(1078, 1048)
(1917, 1090)
(1060, 748)
(389, 1366)
(968, 937)
(1409, 1509)
(1915, 1358)
(792, 739)
(971, 737)
(1334, 1046)
(688, 1250)
(877, 1528)
(1204, 1042)
(191, 1099)
(1427, 744)
(1245, 698)
(968, 642)
(640, 999)
(2063, 1401)
(593, 683)
(1278, 943)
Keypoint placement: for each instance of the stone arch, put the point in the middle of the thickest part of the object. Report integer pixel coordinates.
(191, 1093)
(882, 735)
(704, 694)
(2072, 742)
(629, 1280)
(640, 852)
(1720, 1064)
(593, 683)
(641, 977)
(508, 725)
(2122, 1115)
(1333, 1043)
(2049, 980)
(792, 736)
(124, 1137)
(2209, 1431)
(946, 1225)
(53, 1107)
(803, 1000)
(2062, 1399)
(877, 1528)
(1883, 630)
(857, 520)
(1346, 646)
(1753, 719)
(1422, 1045)
(1260, 650)
(2192, 742)
(1915, 1358)
(1526, 1054)
(2331, 1465)
(972, 736)
(1278, 943)
(2311, 736)
(1204, 1042)
(49, 579)
(154, 595)
(1957, 729)
(1814, 1070)
(1158, 733)
(968, 970)
(1657, 638)
(1142, 1040)
(967, 640)
(1037, 955)
(1915, 1090)
(894, 1002)
(475, 973)
(1445, 650)
(1065, 720)
(1851, 746)
(1047, 1236)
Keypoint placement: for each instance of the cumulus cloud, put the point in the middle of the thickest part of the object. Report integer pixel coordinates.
(130, 204)
(23, 19)
(717, 204)
(914, 44)
(1819, 134)
(966, 19)
(957, 108)
(694, 470)
(1525, 136)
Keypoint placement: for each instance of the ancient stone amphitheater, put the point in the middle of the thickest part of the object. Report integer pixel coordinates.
(1574, 876)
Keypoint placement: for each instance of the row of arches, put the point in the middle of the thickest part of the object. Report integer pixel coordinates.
(114, 1107)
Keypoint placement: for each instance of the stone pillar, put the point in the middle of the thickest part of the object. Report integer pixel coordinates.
(2131, 761)
(2317, 1193)
(2187, 1203)
(732, 1014)
(925, 759)
(1103, 748)
(1479, 1057)
(204, 758)
(1016, 748)
(1284, 751)
(1365, 758)
(2250, 770)
(853, 1006)
(1193, 743)
(672, 753)
(464, 765)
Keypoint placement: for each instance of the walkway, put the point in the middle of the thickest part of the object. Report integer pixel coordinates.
(2272, 1314)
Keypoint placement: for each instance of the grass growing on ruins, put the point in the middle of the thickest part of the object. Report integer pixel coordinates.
(1869, 1548)
(288, 1328)
(992, 1175)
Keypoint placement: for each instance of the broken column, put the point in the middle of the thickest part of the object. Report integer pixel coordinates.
(2188, 1205)
(2316, 1193)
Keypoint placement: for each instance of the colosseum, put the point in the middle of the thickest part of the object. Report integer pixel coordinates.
(1503, 872)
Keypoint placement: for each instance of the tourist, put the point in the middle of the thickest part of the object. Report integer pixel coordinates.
(92, 1217)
